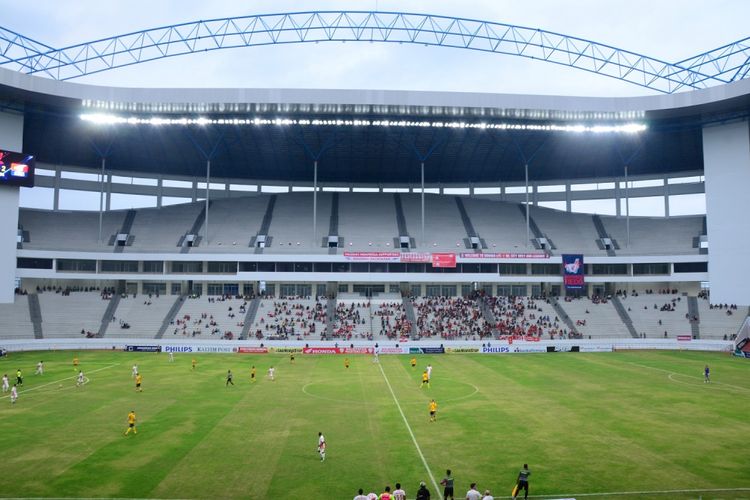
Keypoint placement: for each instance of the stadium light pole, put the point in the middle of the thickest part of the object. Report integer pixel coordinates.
(101, 198)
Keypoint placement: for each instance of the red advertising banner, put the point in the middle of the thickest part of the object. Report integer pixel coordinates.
(504, 256)
(684, 338)
(444, 260)
(252, 350)
(338, 350)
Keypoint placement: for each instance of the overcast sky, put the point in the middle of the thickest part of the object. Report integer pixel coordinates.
(670, 30)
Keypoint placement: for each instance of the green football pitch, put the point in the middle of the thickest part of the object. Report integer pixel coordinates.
(611, 424)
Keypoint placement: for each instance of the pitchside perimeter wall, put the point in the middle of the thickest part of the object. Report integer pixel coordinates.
(492, 347)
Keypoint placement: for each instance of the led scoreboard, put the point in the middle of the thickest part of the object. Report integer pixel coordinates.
(16, 169)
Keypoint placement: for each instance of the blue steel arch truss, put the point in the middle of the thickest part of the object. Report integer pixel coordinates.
(722, 65)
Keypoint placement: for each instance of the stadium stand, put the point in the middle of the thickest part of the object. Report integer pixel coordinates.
(389, 318)
(209, 317)
(290, 317)
(292, 220)
(140, 316)
(523, 316)
(70, 314)
(352, 319)
(595, 317)
(570, 233)
(500, 224)
(381, 227)
(720, 321)
(234, 221)
(450, 318)
(658, 313)
(16, 322)
(444, 229)
(161, 228)
(676, 234)
(70, 230)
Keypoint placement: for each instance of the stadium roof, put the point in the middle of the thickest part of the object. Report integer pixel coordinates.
(462, 137)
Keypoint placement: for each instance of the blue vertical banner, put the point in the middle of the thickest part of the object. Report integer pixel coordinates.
(573, 271)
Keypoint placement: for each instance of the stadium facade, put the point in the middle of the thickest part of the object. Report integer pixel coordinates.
(312, 192)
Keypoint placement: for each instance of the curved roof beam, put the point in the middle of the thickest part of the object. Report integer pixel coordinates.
(723, 65)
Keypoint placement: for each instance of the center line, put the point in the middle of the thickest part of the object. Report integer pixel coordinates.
(411, 433)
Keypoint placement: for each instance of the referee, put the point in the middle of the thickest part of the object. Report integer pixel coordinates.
(523, 482)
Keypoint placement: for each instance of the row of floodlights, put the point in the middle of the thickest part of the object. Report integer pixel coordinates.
(108, 119)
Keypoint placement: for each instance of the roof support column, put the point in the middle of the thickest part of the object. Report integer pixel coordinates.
(666, 196)
(56, 192)
(208, 192)
(315, 202)
(101, 198)
(526, 184)
(627, 209)
(421, 165)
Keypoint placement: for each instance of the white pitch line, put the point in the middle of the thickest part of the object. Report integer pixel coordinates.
(670, 372)
(58, 381)
(411, 433)
(653, 492)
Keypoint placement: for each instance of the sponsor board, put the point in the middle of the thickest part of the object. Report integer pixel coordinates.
(373, 256)
(492, 255)
(252, 350)
(199, 349)
(502, 349)
(461, 349)
(573, 276)
(530, 348)
(142, 348)
(444, 260)
(338, 350)
(284, 349)
(391, 350)
(426, 350)
(595, 348)
(684, 338)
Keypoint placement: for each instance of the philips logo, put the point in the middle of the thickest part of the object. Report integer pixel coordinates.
(178, 348)
(495, 349)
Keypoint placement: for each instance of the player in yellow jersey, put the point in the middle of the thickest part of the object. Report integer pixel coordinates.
(252, 374)
(291, 357)
(433, 411)
(346, 363)
(194, 363)
(131, 423)
(413, 362)
(138, 380)
(425, 380)
(75, 363)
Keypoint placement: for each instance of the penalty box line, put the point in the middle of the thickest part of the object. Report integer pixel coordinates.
(411, 433)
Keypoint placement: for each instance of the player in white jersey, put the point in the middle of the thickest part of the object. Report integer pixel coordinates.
(6, 384)
(13, 394)
(399, 493)
(375, 354)
(321, 446)
(171, 356)
(135, 371)
(271, 372)
(39, 369)
(80, 380)
(429, 372)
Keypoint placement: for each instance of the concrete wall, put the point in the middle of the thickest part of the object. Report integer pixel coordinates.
(11, 138)
(726, 152)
